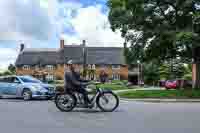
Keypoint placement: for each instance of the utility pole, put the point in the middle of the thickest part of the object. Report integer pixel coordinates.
(138, 65)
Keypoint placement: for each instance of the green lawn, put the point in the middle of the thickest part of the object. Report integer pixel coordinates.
(177, 94)
(113, 86)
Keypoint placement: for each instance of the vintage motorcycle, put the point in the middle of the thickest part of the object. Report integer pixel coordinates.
(102, 98)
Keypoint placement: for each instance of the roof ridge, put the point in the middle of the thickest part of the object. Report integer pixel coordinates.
(106, 47)
(73, 45)
(40, 50)
(92, 46)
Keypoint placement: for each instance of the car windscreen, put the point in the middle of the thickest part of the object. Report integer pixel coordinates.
(30, 80)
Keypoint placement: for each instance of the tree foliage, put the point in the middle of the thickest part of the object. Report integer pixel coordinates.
(151, 73)
(174, 69)
(161, 29)
(12, 68)
(7, 73)
(188, 72)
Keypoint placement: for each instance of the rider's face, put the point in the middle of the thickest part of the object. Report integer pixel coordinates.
(73, 67)
(77, 69)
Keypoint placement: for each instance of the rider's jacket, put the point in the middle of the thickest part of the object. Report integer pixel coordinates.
(72, 80)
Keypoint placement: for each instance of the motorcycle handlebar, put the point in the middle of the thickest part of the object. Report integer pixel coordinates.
(95, 83)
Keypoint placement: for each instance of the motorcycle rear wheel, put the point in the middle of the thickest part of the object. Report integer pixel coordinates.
(65, 102)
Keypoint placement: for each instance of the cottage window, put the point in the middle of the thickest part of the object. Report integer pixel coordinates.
(50, 67)
(115, 66)
(115, 76)
(26, 67)
(49, 77)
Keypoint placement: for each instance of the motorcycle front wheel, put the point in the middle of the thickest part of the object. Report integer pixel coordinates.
(65, 102)
(107, 101)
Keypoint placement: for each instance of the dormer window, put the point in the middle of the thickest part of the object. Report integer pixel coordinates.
(93, 66)
(89, 66)
(50, 67)
(26, 67)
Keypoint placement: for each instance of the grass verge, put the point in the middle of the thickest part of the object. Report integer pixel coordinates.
(169, 94)
(113, 86)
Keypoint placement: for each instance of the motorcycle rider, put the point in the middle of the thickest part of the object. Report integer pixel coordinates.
(72, 80)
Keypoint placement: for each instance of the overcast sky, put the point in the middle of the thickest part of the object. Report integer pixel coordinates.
(41, 23)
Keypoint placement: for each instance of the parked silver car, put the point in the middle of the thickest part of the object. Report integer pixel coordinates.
(25, 87)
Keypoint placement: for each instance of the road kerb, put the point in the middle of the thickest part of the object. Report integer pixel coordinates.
(161, 100)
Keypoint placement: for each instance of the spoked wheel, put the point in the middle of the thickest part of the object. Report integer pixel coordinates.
(65, 102)
(107, 101)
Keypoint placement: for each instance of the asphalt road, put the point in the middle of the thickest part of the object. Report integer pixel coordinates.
(17, 116)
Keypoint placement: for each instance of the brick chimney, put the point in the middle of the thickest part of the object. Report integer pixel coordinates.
(84, 43)
(62, 43)
(22, 47)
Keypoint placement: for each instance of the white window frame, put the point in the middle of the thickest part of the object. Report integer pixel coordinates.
(116, 66)
(50, 67)
(116, 76)
(26, 67)
(49, 77)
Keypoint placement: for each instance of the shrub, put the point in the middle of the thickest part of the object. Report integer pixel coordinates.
(60, 88)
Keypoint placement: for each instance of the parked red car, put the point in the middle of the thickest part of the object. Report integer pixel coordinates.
(171, 84)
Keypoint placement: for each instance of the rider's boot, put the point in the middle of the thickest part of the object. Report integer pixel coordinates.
(88, 104)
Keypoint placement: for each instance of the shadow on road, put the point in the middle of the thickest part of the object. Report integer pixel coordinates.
(21, 100)
(91, 111)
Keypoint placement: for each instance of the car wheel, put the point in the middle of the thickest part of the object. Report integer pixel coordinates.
(48, 98)
(27, 94)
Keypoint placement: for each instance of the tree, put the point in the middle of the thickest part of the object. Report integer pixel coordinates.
(157, 29)
(12, 68)
(173, 69)
(164, 71)
(188, 72)
(151, 73)
(6, 73)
